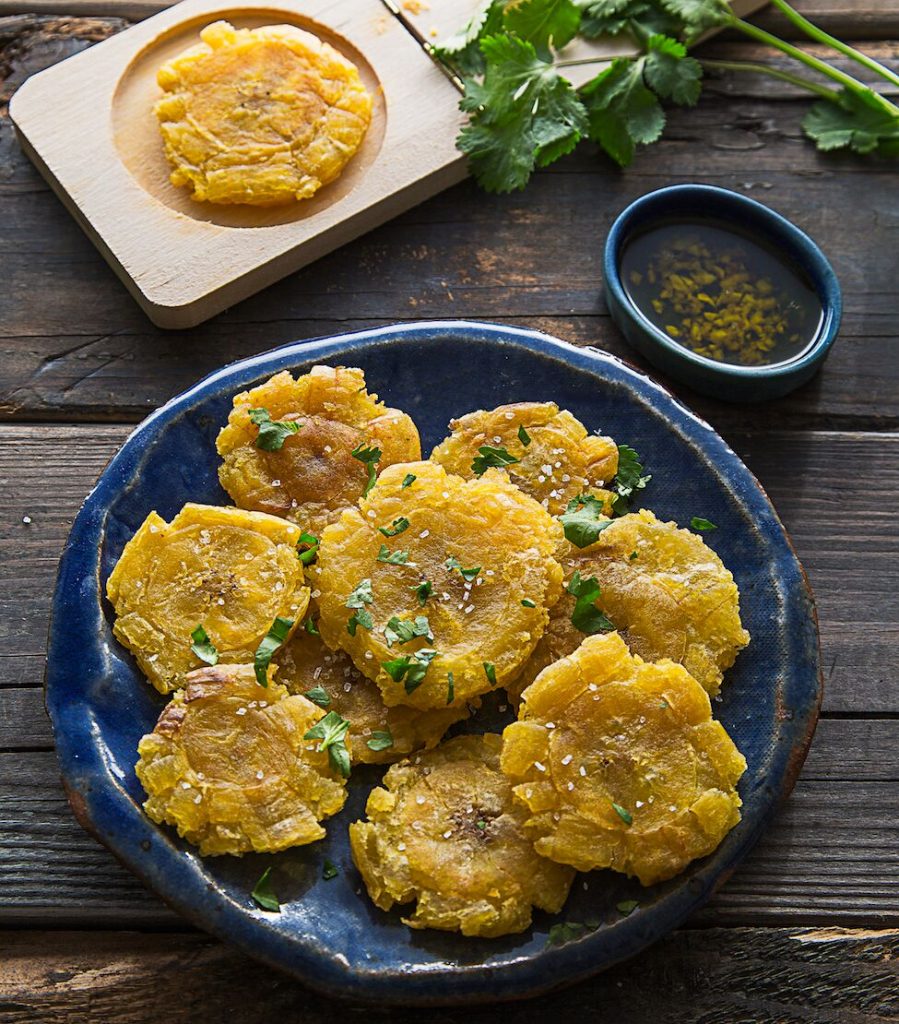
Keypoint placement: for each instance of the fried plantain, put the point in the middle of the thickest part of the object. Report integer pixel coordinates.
(555, 459)
(230, 571)
(438, 587)
(379, 734)
(313, 475)
(445, 832)
(667, 593)
(229, 767)
(620, 764)
(260, 116)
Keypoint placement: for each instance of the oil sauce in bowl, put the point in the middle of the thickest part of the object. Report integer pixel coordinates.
(719, 293)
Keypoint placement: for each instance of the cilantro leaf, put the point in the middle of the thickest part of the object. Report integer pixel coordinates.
(411, 668)
(331, 732)
(698, 523)
(360, 617)
(524, 114)
(329, 870)
(626, 907)
(857, 122)
(528, 603)
(490, 672)
(397, 558)
(523, 435)
(272, 433)
(309, 544)
(622, 110)
(628, 479)
(310, 627)
(642, 18)
(491, 456)
(422, 592)
(408, 480)
(583, 520)
(318, 695)
(623, 813)
(203, 647)
(670, 73)
(272, 640)
(263, 893)
(361, 594)
(568, 931)
(545, 23)
(369, 457)
(697, 16)
(397, 526)
(463, 49)
(450, 688)
(402, 631)
(467, 574)
(380, 740)
(586, 616)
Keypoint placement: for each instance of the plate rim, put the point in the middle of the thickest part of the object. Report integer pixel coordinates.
(81, 761)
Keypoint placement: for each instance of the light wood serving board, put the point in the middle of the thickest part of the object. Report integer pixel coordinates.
(88, 125)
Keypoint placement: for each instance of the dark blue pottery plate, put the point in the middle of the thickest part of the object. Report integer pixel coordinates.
(328, 933)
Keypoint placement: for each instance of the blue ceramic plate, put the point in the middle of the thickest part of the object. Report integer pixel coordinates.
(328, 933)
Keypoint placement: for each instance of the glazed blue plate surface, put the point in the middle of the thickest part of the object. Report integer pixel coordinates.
(329, 934)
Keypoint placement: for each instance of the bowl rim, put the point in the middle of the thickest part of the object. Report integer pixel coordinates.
(777, 229)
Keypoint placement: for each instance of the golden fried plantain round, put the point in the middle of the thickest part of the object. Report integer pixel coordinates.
(304, 663)
(559, 460)
(446, 832)
(230, 571)
(665, 590)
(482, 613)
(228, 765)
(620, 764)
(313, 476)
(260, 116)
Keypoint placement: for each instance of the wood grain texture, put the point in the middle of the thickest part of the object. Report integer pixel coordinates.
(845, 537)
(714, 976)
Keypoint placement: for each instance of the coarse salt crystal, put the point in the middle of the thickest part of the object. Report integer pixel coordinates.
(327, 448)
(26, 519)
(424, 533)
(316, 594)
(567, 759)
(370, 513)
(582, 770)
(448, 833)
(317, 671)
(570, 786)
(565, 478)
(198, 798)
(241, 711)
(539, 766)
(469, 609)
(260, 774)
(419, 799)
(276, 483)
(509, 415)
(186, 785)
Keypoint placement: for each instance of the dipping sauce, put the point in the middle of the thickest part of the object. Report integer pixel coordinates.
(720, 293)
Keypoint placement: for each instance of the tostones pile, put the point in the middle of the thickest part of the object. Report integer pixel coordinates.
(360, 603)
(260, 116)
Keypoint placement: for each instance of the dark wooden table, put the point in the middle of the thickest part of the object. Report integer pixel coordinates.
(808, 929)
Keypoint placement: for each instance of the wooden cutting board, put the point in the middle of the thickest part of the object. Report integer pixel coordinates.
(88, 125)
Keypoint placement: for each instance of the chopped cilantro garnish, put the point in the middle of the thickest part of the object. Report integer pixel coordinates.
(264, 894)
(318, 695)
(360, 617)
(310, 627)
(633, 555)
(408, 479)
(524, 436)
(380, 740)
(490, 672)
(528, 603)
(331, 731)
(369, 457)
(423, 592)
(583, 520)
(491, 456)
(397, 558)
(397, 526)
(329, 870)
(623, 813)
(467, 574)
(568, 931)
(450, 688)
(628, 479)
(203, 647)
(699, 523)
(272, 433)
(402, 631)
(627, 906)
(272, 640)
(586, 616)
(307, 548)
(411, 668)
(360, 595)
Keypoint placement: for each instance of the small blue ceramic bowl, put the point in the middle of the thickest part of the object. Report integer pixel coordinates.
(722, 380)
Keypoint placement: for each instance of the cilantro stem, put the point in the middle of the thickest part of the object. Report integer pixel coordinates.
(820, 36)
(772, 72)
(851, 84)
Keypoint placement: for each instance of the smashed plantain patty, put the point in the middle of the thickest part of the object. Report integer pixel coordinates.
(555, 458)
(228, 765)
(230, 571)
(438, 587)
(665, 591)
(445, 832)
(260, 116)
(380, 735)
(620, 765)
(313, 475)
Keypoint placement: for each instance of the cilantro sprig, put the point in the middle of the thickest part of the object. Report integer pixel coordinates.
(523, 112)
(401, 631)
(586, 616)
(369, 458)
(410, 669)
(628, 479)
(264, 893)
(583, 520)
(491, 456)
(331, 732)
(271, 642)
(203, 647)
(272, 433)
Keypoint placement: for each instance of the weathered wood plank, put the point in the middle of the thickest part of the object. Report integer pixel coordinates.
(89, 353)
(843, 531)
(830, 855)
(716, 976)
